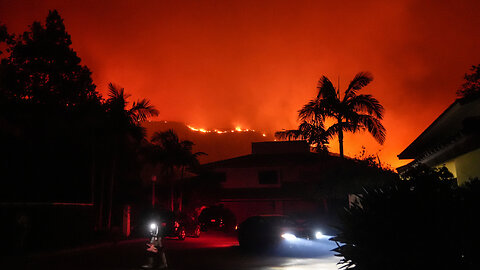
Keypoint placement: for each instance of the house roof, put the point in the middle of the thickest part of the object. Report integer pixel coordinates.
(270, 160)
(445, 130)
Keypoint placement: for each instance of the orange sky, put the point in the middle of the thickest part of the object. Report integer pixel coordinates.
(219, 64)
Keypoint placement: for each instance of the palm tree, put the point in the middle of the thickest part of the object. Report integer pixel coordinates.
(125, 130)
(174, 155)
(127, 121)
(352, 113)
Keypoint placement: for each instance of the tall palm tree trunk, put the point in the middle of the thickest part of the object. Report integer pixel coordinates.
(340, 138)
(340, 143)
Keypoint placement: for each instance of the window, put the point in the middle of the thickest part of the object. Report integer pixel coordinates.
(268, 177)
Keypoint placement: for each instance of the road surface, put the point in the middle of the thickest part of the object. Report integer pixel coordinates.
(213, 250)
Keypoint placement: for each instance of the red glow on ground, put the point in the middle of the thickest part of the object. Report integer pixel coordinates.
(209, 239)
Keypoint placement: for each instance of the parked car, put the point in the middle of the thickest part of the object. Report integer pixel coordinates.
(175, 225)
(217, 218)
(270, 231)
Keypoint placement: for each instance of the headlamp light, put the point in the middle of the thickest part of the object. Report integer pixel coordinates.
(289, 236)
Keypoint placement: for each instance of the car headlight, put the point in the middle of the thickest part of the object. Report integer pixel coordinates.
(318, 235)
(153, 226)
(289, 236)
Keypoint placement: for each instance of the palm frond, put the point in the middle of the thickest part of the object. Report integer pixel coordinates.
(335, 129)
(317, 110)
(314, 133)
(115, 92)
(308, 110)
(361, 80)
(291, 134)
(326, 89)
(367, 104)
(173, 153)
(165, 138)
(142, 110)
(374, 127)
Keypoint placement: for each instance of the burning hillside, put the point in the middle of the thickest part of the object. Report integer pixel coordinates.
(217, 143)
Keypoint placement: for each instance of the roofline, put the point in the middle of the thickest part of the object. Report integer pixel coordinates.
(223, 160)
(404, 155)
(330, 154)
(406, 167)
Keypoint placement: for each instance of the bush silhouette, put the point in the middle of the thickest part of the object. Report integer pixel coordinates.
(425, 222)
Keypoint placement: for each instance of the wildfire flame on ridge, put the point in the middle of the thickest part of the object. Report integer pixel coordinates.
(218, 131)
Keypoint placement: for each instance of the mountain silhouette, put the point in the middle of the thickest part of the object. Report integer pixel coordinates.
(218, 146)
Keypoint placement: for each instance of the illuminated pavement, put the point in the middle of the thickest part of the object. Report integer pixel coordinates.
(219, 251)
(213, 250)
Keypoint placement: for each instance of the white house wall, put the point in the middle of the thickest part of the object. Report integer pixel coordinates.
(464, 167)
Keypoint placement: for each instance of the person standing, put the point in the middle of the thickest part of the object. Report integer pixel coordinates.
(156, 258)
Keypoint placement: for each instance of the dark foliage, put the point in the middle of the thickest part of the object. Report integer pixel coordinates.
(313, 132)
(425, 222)
(49, 115)
(351, 176)
(61, 142)
(44, 69)
(175, 158)
(471, 86)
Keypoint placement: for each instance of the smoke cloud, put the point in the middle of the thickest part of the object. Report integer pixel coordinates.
(253, 64)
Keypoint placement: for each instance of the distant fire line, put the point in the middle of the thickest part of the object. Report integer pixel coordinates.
(237, 129)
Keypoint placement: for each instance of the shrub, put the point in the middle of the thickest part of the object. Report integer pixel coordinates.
(425, 222)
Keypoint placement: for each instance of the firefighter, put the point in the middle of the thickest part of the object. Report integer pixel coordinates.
(155, 254)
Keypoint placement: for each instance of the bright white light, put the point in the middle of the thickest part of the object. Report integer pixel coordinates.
(289, 236)
(153, 226)
(318, 235)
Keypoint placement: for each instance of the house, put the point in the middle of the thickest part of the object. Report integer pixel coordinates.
(452, 140)
(282, 177)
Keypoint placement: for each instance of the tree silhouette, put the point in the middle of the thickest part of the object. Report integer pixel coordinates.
(59, 137)
(352, 113)
(44, 69)
(174, 155)
(47, 103)
(313, 132)
(123, 126)
(471, 87)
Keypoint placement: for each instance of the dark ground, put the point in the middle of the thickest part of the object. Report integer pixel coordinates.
(213, 250)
